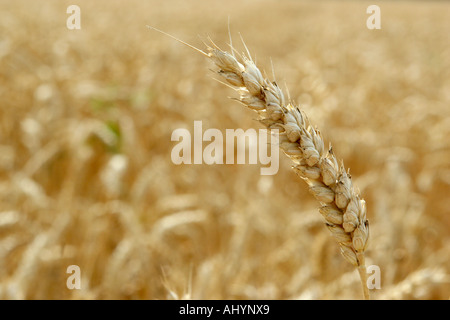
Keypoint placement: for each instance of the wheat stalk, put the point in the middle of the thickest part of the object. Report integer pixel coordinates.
(341, 205)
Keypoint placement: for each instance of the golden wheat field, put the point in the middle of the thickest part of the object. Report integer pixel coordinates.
(87, 179)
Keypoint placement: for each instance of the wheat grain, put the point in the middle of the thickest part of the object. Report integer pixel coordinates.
(342, 207)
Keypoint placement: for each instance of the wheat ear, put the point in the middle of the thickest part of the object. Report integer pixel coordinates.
(342, 208)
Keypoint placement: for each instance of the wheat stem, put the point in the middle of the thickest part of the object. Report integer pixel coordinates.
(363, 276)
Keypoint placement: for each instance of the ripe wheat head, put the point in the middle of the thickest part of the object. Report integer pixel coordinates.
(342, 207)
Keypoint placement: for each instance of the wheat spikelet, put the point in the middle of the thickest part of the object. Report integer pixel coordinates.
(342, 207)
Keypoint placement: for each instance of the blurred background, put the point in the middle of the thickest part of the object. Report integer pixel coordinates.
(86, 176)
